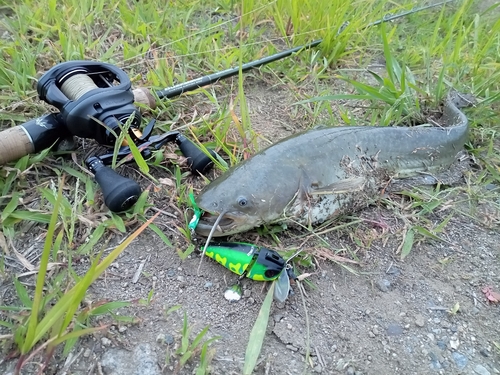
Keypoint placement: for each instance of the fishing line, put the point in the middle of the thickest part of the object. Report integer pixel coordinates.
(210, 235)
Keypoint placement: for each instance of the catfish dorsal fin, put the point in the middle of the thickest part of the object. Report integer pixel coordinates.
(347, 185)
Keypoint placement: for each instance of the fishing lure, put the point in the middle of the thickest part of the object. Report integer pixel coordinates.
(247, 260)
(254, 262)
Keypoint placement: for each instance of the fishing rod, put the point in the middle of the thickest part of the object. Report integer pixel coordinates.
(96, 101)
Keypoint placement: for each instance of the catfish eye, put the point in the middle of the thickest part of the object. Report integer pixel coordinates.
(242, 201)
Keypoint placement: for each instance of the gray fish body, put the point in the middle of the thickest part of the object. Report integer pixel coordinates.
(313, 176)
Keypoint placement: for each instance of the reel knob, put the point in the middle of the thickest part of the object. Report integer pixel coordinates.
(198, 161)
(120, 193)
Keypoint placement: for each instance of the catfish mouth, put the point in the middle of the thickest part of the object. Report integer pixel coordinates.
(227, 225)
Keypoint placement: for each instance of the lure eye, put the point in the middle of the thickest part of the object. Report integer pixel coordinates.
(242, 202)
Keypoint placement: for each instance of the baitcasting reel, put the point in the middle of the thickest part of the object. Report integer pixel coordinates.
(95, 101)
(90, 103)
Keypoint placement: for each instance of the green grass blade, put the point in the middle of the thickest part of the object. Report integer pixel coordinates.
(258, 333)
(31, 334)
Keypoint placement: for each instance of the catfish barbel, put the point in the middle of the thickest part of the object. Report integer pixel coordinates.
(321, 173)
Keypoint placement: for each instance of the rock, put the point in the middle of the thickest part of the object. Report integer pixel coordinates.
(122, 329)
(454, 343)
(318, 369)
(208, 285)
(394, 329)
(350, 370)
(419, 320)
(383, 285)
(484, 353)
(87, 353)
(441, 345)
(481, 370)
(460, 360)
(105, 341)
(142, 361)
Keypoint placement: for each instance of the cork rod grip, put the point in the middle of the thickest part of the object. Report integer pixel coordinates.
(144, 96)
(14, 144)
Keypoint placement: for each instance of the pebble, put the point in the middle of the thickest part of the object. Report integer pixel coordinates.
(441, 345)
(394, 330)
(105, 341)
(247, 293)
(460, 360)
(142, 361)
(122, 329)
(383, 285)
(171, 272)
(181, 279)
(318, 369)
(481, 370)
(292, 348)
(208, 285)
(350, 370)
(454, 343)
(484, 353)
(87, 353)
(419, 320)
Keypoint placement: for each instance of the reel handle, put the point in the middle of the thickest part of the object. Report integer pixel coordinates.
(120, 193)
(197, 160)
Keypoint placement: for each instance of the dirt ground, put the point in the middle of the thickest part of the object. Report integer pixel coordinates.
(386, 317)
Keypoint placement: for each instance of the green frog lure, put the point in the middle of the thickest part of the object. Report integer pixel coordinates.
(256, 263)
(249, 260)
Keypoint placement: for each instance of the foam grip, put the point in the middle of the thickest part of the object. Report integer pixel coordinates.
(144, 96)
(14, 144)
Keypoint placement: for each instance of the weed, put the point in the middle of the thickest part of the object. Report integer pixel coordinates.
(188, 348)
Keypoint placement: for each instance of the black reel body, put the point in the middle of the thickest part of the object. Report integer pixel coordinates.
(87, 97)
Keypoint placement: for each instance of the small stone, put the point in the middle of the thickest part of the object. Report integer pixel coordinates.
(247, 293)
(375, 330)
(105, 341)
(171, 272)
(484, 353)
(394, 330)
(474, 311)
(350, 370)
(87, 353)
(481, 370)
(430, 336)
(292, 348)
(441, 345)
(460, 360)
(208, 285)
(181, 279)
(383, 285)
(436, 320)
(122, 329)
(454, 343)
(251, 300)
(371, 334)
(169, 339)
(318, 369)
(419, 320)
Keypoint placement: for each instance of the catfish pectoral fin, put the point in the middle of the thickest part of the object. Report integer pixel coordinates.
(348, 185)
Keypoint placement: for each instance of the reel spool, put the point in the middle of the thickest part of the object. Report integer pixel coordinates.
(89, 95)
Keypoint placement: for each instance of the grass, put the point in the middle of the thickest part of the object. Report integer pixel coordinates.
(426, 54)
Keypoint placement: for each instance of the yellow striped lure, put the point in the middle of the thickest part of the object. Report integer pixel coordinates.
(254, 262)
(248, 260)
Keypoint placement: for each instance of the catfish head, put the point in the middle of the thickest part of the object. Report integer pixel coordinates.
(246, 196)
